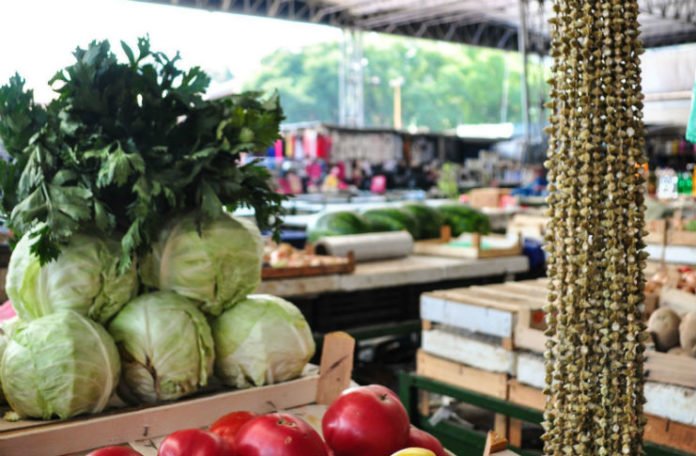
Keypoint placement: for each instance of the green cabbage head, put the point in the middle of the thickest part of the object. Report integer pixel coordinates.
(262, 340)
(217, 263)
(59, 365)
(84, 278)
(6, 328)
(166, 346)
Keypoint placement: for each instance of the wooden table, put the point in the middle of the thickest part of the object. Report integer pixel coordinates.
(393, 273)
(385, 292)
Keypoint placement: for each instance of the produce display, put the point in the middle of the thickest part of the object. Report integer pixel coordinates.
(393, 219)
(120, 193)
(260, 341)
(463, 219)
(684, 278)
(84, 278)
(60, 365)
(594, 357)
(430, 220)
(132, 280)
(362, 421)
(194, 442)
(286, 256)
(167, 347)
(421, 221)
(216, 262)
(664, 327)
(126, 146)
(339, 224)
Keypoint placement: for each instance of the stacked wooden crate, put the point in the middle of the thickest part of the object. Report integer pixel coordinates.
(490, 339)
(467, 339)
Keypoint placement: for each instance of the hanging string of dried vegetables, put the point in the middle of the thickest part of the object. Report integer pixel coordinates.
(594, 357)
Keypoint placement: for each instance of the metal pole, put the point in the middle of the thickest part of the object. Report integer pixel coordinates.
(397, 107)
(522, 45)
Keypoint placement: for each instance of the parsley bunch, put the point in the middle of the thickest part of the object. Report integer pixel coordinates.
(127, 144)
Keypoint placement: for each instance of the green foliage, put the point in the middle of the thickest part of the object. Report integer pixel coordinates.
(307, 81)
(448, 182)
(125, 145)
(444, 85)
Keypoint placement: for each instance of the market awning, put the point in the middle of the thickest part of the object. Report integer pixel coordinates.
(491, 23)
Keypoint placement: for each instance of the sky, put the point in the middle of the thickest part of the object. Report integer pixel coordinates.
(37, 37)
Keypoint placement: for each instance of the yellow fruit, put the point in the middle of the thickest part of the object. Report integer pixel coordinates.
(414, 452)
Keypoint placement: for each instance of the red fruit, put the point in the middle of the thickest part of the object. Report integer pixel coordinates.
(278, 434)
(194, 442)
(114, 451)
(366, 421)
(227, 426)
(421, 439)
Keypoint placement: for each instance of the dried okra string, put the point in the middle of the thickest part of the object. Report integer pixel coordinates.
(594, 357)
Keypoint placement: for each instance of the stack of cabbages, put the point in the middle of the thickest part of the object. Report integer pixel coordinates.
(156, 333)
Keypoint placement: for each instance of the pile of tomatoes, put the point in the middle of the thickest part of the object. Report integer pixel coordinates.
(363, 421)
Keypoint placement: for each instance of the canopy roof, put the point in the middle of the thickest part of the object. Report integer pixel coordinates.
(491, 23)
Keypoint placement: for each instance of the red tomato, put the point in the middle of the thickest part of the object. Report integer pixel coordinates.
(194, 442)
(227, 426)
(278, 434)
(366, 421)
(421, 439)
(114, 451)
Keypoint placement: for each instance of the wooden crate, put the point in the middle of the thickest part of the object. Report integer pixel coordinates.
(486, 197)
(456, 374)
(480, 381)
(528, 225)
(657, 232)
(525, 395)
(501, 246)
(492, 310)
(474, 350)
(338, 265)
(41, 438)
(670, 434)
(660, 431)
(677, 234)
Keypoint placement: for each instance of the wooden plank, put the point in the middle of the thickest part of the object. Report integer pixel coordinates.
(336, 366)
(475, 318)
(530, 370)
(515, 433)
(494, 443)
(658, 430)
(527, 337)
(657, 232)
(338, 265)
(526, 396)
(678, 237)
(672, 402)
(672, 369)
(472, 351)
(85, 433)
(498, 293)
(471, 296)
(442, 247)
(530, 289)
(500, 424)
(670, 434)
(492, 384)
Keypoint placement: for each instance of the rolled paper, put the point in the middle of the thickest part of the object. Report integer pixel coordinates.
(367, 247)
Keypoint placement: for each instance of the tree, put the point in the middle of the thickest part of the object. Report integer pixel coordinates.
(444, 84)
